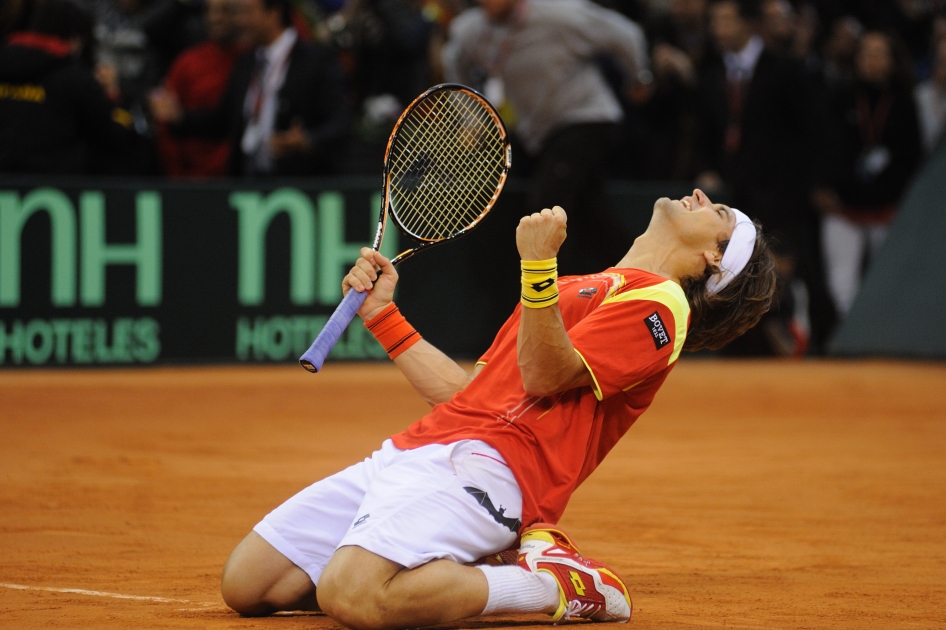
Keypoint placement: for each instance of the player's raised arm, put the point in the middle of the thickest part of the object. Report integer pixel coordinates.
(548, 362)
(434, 375)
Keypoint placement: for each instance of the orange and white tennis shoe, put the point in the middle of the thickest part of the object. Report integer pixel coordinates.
(588, 589)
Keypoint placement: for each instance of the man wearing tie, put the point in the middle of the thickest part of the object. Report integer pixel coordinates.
(284, 111)
(760, 129)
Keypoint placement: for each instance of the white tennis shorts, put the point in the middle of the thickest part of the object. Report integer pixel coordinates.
(457, 501)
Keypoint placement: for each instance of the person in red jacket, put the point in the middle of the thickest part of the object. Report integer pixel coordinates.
(387, 542)
(198, 78)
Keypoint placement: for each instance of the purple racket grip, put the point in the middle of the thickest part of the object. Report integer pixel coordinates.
(314, 357)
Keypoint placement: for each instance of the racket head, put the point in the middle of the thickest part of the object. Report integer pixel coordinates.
(445, 165)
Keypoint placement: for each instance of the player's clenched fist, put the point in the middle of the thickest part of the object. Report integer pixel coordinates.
(540, 235)
(373, 273)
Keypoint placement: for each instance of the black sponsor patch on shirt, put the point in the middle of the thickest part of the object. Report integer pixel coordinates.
(657, 330)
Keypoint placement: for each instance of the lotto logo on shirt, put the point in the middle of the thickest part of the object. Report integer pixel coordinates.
(657, 330)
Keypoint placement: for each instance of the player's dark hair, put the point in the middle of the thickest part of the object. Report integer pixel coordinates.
(717, 319)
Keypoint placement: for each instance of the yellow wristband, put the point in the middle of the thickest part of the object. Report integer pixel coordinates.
(539, 283)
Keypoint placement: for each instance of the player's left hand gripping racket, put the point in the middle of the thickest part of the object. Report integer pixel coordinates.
(445, 166)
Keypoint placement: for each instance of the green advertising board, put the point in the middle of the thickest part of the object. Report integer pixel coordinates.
(127, 272)
(119, 272)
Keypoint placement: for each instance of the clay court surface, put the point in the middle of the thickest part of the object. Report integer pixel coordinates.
(751, 495)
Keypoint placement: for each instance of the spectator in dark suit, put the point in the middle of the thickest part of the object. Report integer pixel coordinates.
(284, 111)
(759, 130)
(53, 113)
(391, 41)
(680, 45)
(839, 48)
(684, 28)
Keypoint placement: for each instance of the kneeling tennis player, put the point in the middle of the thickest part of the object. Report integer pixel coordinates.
(393, 541)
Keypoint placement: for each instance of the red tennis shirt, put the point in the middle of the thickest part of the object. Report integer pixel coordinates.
(628, 326)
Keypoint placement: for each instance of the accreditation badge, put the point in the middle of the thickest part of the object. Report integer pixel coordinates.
(872, 163)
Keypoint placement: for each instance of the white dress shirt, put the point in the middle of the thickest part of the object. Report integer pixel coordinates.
(261, 102)
(740, 66)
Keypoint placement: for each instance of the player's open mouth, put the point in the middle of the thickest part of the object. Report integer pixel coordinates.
(686, 204)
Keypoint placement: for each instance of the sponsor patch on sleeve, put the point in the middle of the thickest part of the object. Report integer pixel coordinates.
(657, 330)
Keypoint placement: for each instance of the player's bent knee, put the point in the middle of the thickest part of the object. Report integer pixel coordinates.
(243, 600)
(352, 607)
(241, 592)
(351, 589)
(258, 580)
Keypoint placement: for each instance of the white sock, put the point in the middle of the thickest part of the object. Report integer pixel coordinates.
(514, 590)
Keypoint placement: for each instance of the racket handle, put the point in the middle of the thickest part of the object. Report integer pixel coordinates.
(314, 357)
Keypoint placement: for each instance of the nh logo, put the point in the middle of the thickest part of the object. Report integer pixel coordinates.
(317, 243)
(95, 253)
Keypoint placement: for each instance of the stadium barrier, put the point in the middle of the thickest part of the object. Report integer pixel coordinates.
(123, 272)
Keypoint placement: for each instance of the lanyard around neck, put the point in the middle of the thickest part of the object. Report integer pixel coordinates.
(872, 122)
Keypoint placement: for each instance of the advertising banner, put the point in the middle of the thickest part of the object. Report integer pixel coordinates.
(118, 272)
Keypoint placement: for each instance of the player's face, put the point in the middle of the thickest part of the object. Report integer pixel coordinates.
(696, 222)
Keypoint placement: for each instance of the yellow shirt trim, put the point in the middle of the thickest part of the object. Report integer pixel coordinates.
(670, 295)
(595, 387)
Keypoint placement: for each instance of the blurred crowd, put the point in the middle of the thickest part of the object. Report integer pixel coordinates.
(811, 114)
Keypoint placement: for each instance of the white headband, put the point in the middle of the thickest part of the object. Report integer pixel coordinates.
(737, 253)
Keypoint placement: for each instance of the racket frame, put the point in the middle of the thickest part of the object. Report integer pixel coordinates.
(386, 209)
(311, 360)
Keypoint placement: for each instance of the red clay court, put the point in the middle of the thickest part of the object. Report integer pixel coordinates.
(752, 494)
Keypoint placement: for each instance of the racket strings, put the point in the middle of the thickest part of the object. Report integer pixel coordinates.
(445, 168)
(445, 165)
(416, 208)
(478, 171)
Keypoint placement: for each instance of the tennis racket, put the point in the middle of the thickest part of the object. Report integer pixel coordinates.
(445, 165)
